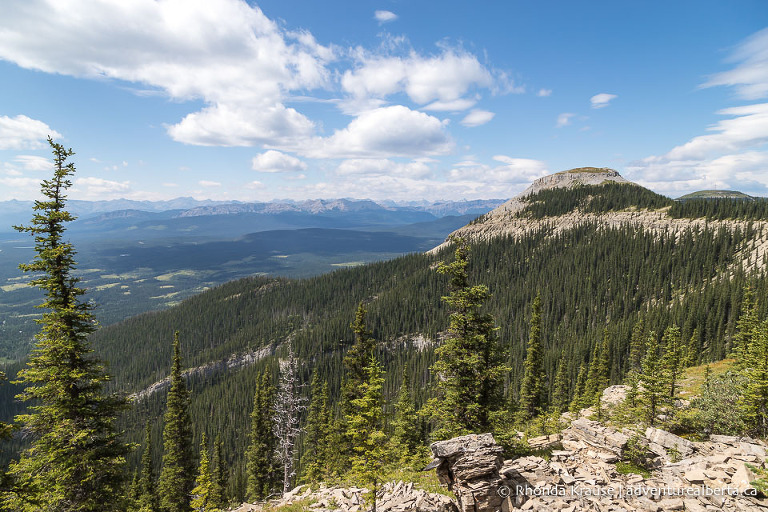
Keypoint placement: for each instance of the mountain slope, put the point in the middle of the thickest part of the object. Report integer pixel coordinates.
(600, 196)
(594, 276)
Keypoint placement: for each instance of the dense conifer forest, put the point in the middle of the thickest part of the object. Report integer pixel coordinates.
(591, 281)
(559, 315)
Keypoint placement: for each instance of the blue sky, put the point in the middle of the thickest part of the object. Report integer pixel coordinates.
(403, 100)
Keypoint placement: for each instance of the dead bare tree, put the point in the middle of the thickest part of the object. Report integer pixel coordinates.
(288, 407)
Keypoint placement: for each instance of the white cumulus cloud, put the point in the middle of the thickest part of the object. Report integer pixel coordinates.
(445, 77)
(384, 132)
(733, 153)
(275, 161)
(224, 52)
(22, 132)
(416, 169)
(34, 163)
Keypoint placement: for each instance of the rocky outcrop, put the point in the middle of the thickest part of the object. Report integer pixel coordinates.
(712, 475)
(503, 221)
(469, 466)
(391, 497)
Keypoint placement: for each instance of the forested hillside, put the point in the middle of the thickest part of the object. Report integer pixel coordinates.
(596, 287)
(590, 280)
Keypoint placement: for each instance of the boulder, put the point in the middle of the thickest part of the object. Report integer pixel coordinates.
(596, 435)
(662, 443)
(469, 466)
(742, 480)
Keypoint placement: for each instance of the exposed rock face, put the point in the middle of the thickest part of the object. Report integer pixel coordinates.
(713, 475)
(502, 221)
(469, 466)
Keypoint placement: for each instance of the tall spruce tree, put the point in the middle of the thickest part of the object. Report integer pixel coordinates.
(201, 494)
(599, 374)
(357, 358)
(76, 459)
(637, 346)
(406, 434)
(532, 385)
(654, 392)
(746, 327)
(261, 466)
(177, 476)
(355, 362)
(673, 357)
(754, 401)
(318, 429)
(560, 387)
(147, 500)
(217, 497)
(469, 369)
(578, 401)
(365, 424)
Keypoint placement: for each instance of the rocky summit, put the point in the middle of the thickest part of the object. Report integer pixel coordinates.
(582, 472)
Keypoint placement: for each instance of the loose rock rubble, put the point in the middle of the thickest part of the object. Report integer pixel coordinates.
(392, 497)
(710, 475)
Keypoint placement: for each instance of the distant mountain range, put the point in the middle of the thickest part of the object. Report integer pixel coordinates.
(136, 256)
(92, 212)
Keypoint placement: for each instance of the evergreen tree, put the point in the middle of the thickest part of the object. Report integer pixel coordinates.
(177, 476)
(673, 357)
(577, 402)
(147, 499)
(357, 358)
(754, 402)
(599, 374)
(532, 386)
(201, 494)
(560, 388)
(406, 435)
(691, 352)
(261, 466)
(746, 327)
(469, 368)
(655, 382)
(318, 429)
(637, 346)
(76, 459)
(217, 496)
(365, 425)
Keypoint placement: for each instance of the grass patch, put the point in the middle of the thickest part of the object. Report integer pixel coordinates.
(693, 378)
(105, 286)
(171, 275)
(627, 468)
(166, 296)
(298, 506)
(348, 264)
(12, 287)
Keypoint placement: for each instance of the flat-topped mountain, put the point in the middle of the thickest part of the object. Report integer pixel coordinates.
(715, 194)
(601, 196)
